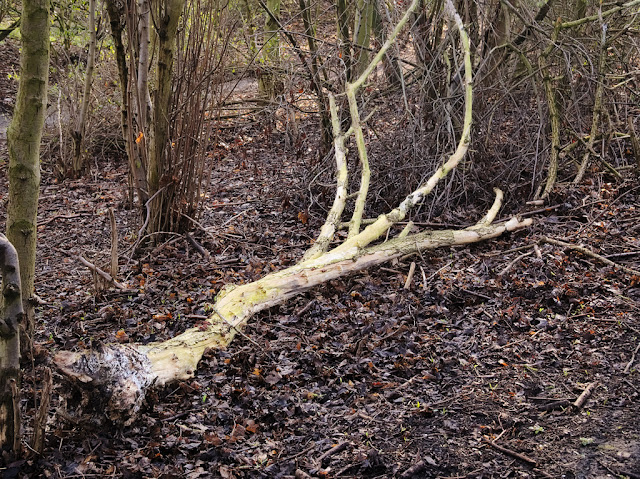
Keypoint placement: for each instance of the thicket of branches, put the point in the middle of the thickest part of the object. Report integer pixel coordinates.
(555, 84)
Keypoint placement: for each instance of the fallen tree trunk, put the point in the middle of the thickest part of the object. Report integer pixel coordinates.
(124, 373)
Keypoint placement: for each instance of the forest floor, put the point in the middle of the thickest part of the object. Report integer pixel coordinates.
(470, 372)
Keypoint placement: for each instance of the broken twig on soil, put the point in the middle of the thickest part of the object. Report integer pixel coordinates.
(588, 391)
(412, 270)
(513, 263)
(511, 453)
(633, 358)
(585, 251)
(333, 450)
(417, 468)
(106, 276)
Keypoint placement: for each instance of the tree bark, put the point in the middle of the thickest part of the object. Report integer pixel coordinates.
(23, 139)
(362, 35)
(268, 83)
(143, 95)
(78, 163)
(554, 114)
(168, 15)
(12, 313)
(342, 16)
(136, 166)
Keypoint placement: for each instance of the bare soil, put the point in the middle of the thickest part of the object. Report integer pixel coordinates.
(471, 372)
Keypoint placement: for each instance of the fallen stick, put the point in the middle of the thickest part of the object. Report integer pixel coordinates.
(513, 263)
(417, 468)
(102, 273)
(198, 247)
(633, 358)
(412, 270)
(62, 217)
(40, 421)
(583, 250)
(114, 244)
(511, 453)
(585, 395)
(334, 450)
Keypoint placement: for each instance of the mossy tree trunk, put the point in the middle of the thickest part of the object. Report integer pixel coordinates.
(23, 139)
(10, 317)
(269, 83)
(18, 251)
(362, 34)
(167, 17)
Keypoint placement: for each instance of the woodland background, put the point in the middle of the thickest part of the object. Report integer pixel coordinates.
(451, 363)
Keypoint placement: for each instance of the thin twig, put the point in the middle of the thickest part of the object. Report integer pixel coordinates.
(585, 395)
(513, 263)
(62, 217)
(585, 251)
(147, 206)
(40, 421)
(333, 450)
(441, 269)
(511, 453)
(412, 270)
(633, 358)
(198, 247)
(512, 250)
(114, 244)
(100, 272)
(424, 279)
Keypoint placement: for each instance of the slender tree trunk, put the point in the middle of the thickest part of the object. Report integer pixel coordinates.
(136, 166)
(392, 70)
(77, 164)
(23, 139)
(248, 24)
(554, 114)
(144, 98)
(167, 25)
(325, 120)
(10, 318)
(269, 82)
(362, 35)
(342, 15)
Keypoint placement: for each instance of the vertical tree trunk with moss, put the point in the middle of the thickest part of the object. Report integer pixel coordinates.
(269, 81)
(23, 139)
(143, 95)
(77, 134)
(10, 317)
(136, 167)
(167, 17)
(362, 35)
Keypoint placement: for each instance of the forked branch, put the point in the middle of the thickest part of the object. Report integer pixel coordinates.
(123, 374)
